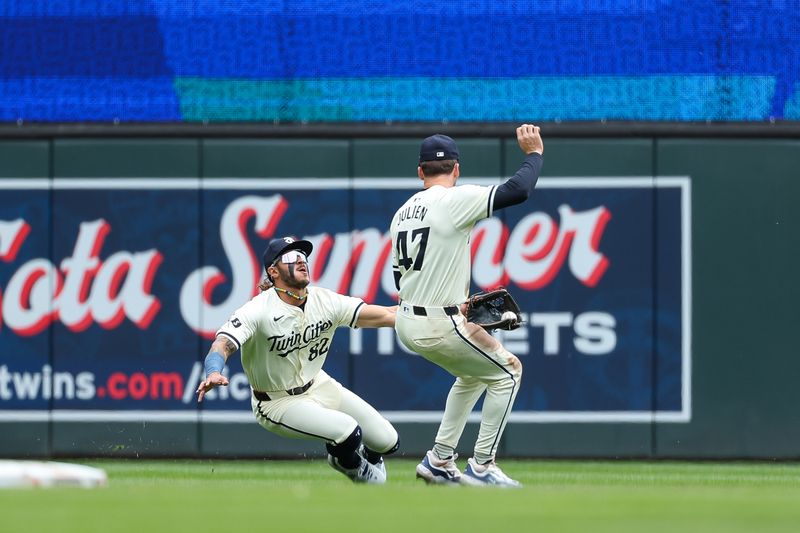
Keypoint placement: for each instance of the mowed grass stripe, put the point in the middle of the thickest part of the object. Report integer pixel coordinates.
(560, 472)
(563, 496)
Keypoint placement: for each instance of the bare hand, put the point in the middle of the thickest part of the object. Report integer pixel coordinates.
(213, 380)
(529, 139)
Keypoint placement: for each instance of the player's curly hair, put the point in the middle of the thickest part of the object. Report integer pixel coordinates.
(265, 284)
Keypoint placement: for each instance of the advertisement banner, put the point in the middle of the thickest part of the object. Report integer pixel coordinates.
(110, 294)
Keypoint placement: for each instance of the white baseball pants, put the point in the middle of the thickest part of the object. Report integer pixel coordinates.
(326, 411)
(479, 362)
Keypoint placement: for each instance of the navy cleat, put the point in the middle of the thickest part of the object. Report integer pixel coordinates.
(438, 471)
(487, 475)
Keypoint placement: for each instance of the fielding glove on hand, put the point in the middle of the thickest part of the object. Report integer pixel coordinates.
(495, 309)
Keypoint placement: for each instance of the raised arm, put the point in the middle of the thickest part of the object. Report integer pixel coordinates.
(221, 349)
(376, 316)
(518, 188)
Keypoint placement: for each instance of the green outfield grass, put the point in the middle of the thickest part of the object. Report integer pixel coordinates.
(299, 496)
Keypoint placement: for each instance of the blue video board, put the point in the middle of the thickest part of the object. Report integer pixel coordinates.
(379, 60)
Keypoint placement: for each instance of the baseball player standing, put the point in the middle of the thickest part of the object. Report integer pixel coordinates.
(431, 261)
(285, 333)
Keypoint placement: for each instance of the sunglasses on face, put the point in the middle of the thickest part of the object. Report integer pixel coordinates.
(292, 256)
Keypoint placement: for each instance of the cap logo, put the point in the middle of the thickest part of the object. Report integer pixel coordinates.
(288, 240)
(438, 148)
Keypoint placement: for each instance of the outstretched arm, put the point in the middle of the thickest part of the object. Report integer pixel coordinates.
(376, 316)
(221, 349)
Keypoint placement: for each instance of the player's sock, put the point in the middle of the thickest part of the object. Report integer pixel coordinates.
(443, 452)
(375, 457)
(346, 452)
(372, 456)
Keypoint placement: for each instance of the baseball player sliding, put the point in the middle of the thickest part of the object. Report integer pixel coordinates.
(285, 333)
(431, 262)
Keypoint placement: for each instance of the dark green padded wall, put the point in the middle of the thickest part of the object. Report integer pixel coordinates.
(587, 157)
(255, 158)
(25, 159)
(25, 439)
(126, 158)
(379, 158)
(125, 439)
(746, 252)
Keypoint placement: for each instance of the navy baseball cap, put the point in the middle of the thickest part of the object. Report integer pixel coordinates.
(438, 148)
(278, 247)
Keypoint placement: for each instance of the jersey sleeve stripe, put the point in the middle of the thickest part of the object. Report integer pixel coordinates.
(490, 206)
(355, 315)
(231, 337)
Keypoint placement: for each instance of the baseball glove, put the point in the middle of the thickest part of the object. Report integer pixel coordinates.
(495, 309)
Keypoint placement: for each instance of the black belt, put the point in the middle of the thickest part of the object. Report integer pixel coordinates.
(264, 397)
(449, 310)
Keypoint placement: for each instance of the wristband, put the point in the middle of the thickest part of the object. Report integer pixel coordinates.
(214, 363)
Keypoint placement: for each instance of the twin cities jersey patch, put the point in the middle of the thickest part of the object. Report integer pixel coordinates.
(430, 243)
(284, 346)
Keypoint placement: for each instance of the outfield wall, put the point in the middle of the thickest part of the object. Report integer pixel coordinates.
(655, 274)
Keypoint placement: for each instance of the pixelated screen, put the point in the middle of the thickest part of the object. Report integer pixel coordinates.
(382, 60)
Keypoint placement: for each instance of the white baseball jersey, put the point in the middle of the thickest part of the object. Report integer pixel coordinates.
(283, 346)
(430, 242)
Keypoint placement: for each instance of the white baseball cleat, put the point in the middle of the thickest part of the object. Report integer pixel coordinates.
(381, 468)
(439, 471)
(365, 472)
(487, 475)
